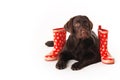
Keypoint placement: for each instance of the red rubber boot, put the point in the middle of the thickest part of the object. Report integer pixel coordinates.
(59, 41)
(105, 55)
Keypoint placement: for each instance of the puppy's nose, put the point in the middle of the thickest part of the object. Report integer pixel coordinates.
(83, 31)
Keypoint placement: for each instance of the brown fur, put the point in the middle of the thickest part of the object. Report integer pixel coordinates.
(82, 44)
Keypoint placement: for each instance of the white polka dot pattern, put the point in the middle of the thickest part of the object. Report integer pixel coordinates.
(59, 41)
(105, 55)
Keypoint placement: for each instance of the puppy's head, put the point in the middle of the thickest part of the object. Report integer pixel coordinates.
(79, 26)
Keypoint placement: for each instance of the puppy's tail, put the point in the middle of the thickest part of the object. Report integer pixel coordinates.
(49, 43)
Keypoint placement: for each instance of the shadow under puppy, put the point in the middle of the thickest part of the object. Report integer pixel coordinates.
(82, 44)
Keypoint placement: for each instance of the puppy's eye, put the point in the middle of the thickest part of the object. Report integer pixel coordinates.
(77, 25)
(87, 28)
(86, 25)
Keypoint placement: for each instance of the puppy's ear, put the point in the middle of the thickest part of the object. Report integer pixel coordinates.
(91, 25)
(69, 25)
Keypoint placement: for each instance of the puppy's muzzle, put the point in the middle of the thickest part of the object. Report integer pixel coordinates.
(84, 34)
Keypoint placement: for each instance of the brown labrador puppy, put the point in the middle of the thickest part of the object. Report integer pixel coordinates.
(82, 44)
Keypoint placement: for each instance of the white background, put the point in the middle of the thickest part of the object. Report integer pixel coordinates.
(25, 25)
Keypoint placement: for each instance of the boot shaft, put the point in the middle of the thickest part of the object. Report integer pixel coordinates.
(103, 38)
(59, 35)
(102, 33)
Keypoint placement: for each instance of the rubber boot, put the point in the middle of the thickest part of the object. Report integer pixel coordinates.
(105, 55)
(59, 35)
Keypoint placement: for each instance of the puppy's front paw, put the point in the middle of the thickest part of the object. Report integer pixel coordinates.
(61, 65)
(76, 66)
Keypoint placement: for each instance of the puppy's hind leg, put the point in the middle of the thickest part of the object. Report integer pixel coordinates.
(49, 43)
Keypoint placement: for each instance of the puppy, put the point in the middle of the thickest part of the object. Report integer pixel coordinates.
(82, 44)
